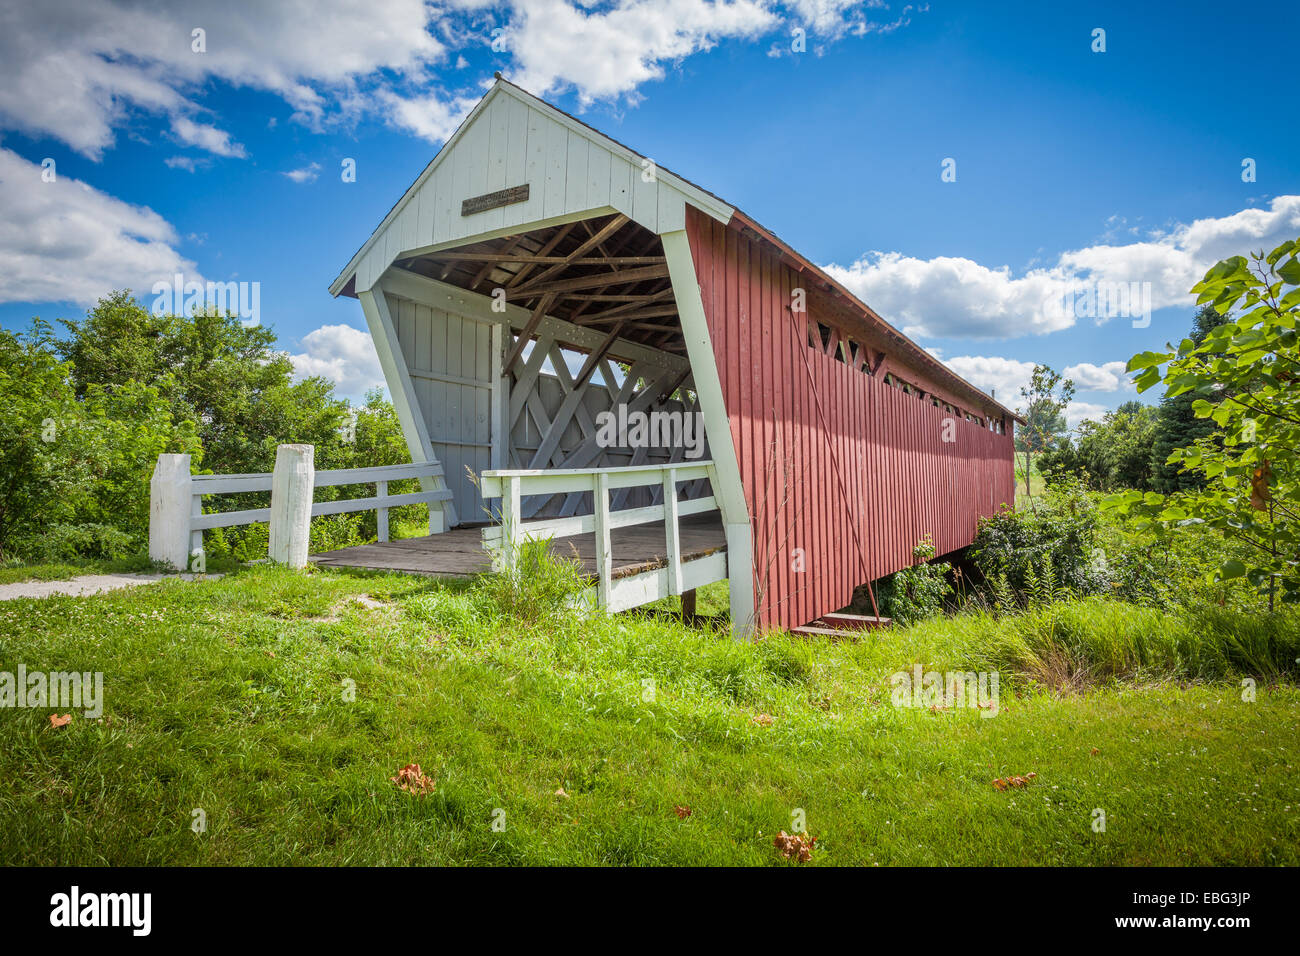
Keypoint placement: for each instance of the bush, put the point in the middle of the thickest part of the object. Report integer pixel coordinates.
(1019, 547)
(918, 592)
(66, 542)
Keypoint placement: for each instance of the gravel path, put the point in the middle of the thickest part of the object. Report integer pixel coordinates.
(86, 584)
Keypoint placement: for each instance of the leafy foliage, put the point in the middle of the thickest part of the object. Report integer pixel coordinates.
(1055, 541)
(1242, 376)
(916, 592)
(87, 417)
(1178, 426)
(1109, 455)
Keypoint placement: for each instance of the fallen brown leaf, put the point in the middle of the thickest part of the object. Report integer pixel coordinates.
(764, 720)
(795, 846)
(682, 812)
(1016, 781)
(413, 780)
(57, 721)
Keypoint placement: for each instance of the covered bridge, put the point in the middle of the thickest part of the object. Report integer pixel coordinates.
(540, 284)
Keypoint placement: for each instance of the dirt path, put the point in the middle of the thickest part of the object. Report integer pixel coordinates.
(86, 584)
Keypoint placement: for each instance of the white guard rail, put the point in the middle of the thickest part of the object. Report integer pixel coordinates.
(177, 521)
(610, 592)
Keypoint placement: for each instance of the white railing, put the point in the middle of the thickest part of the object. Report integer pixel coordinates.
(177, 520)
(615, 594)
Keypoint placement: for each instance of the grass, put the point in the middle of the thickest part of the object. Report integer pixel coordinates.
(229, 696)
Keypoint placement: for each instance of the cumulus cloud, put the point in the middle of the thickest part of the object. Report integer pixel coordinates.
(1001, 377)
(344, 356)
(960, 298)
(608, 52)
(1077, 412)
(306, 174)
(1108, 377)
(65, 241)
(75, 69)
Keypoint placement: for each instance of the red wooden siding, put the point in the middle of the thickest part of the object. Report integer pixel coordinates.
(836, 464)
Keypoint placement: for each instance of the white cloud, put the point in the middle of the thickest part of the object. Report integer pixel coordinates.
(343, 355)
(425, 116)
(960, 298)
(607, 53)
(307, 174)
(206, 136)
(1108, 377)
(75, 69)
(65, 241)
(1002, 377)
(188, 163)
(1077, 412)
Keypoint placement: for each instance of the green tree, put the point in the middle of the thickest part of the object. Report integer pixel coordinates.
(226, 378)
(1178, 425)
(1243, 376)
(1111, 454)
(1044, 414)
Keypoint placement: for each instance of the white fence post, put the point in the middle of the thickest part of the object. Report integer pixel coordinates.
(381, 491)
(672, 534)
(604, 551)
(292, 484)
(169, 511)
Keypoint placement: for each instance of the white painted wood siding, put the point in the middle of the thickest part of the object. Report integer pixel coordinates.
(449, 358)
(511, 139)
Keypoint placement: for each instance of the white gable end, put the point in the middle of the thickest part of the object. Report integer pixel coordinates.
(513, 139)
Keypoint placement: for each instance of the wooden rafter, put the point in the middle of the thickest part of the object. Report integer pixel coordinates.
(596, 281)
(547, 249)
(527, 332)
(611, 227)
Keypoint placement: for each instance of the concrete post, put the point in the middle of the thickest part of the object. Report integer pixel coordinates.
(292, 484)
(169, 511)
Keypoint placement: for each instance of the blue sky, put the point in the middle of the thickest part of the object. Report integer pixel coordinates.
(1073, 167)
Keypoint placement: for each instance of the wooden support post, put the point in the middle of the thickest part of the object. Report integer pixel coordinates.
(381, 491)
(672, 532)
(688, 606)
(292, 484)
(604, 550)
(511, 514)
(170, 494)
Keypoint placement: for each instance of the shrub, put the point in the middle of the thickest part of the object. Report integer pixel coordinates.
(918, 592)
(65, 542)
(1018, 546)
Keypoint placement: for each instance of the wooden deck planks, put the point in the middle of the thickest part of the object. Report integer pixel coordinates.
(459, 552)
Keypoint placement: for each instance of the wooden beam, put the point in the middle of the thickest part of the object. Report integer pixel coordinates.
(554, 241)
(611, 227)
(589, 366)
(527, 332)
(598, 280)
(488, 265)
(495, 258)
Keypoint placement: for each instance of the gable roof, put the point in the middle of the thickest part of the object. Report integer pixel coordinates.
(696, 195)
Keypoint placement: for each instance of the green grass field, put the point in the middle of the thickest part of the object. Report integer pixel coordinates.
(229, 697)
